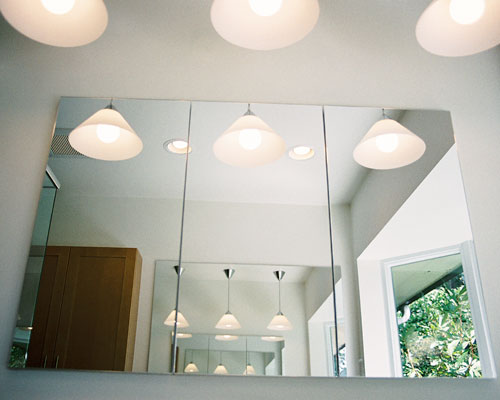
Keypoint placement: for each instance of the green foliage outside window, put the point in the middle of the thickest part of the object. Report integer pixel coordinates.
(439, 339)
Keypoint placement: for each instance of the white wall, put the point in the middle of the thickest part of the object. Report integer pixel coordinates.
(434, 216)
(361, 53)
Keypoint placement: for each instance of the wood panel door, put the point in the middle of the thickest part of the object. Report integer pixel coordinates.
(99, 309)
(48, 308)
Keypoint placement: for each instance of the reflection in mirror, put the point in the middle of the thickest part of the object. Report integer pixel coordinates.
(238, 199)
(403, 221)
(108, 227)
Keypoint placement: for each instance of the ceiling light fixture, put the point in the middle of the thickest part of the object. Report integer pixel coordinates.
(191, 367)
(183, 335)
(226, 338)
(264, 24)
(106, 135)
(279, 321)
(177, 146)
(301, 153)
(456, 28)
(249, 142)
(175, 317)
(228, 320)
(63, 23)
(388, 145)
(249, 369)
(272, 338)
(220, 369)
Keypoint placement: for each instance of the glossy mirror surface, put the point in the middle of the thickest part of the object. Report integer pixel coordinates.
(107, 295)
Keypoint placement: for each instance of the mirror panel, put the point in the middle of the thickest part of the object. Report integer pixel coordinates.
(120, 229)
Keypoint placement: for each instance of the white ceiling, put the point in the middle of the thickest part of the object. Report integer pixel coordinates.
(156, 173)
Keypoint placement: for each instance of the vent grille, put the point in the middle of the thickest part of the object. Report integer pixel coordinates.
(60, 146)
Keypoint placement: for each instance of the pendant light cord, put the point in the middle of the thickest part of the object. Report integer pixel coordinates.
(228, 292)
(279, 296)
(246, 354)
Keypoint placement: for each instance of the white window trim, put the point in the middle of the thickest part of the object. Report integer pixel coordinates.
(473, 283)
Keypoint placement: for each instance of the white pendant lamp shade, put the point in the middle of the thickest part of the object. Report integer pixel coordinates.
(249, 370)
(63, 23)
(220, 370)
(228, 321)
(106, 136)
(459, 27)
(191, 368)
(272, 338)
(280, 323)
(388, 145)
(181, 321)
(264, 24)
(249, 142)
(226, 338)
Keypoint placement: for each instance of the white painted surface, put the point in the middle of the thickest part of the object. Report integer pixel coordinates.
(361, 53)
(434, 216)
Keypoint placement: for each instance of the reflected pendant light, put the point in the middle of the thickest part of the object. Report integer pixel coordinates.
(279, 321)
(272, 338)
(264, 24)
(106, 135)
(249, 142)
(228, 320)
(388, 145)
(171, 319)
(249, 369)
(226, 338)
(220, 369)
(459, 27)
(62, 23)
(191, 368)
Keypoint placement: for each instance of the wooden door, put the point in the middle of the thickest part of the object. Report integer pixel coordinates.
(99, 309)
(48, 308)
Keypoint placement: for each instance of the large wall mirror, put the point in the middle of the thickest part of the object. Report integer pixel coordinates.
(222, 238)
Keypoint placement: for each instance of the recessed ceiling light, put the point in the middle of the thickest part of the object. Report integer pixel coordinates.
(272, 338)
(177, 146)
(226, 338)
(301, 153)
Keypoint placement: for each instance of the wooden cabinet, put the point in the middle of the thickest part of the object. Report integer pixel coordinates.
(86, 312)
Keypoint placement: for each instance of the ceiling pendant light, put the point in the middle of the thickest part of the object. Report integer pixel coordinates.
(63, 23)
(174, 315)
(249, 142)
(279, 321)
(228, 320)
(264, 24)
(220, 369)
(191, 367)
(388, 145)
(106, 135)
(249, 369)
(459, 27)
(272, 338)
(226, 338)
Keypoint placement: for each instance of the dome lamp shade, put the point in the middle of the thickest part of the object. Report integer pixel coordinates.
(61, 23)
(456, 28)
(249, 142)
(264, 24)
(181, 321)
(388, 145)
(106, 135)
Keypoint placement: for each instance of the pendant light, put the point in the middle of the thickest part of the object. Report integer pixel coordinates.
(249, 369)
(62, 23)
(191, 368)
(264, 24)
(272, 338)
(228, 320)
(181, 320)
(388, 145)
(106, 135)
(226, 338)
(459, 27)
(279, 321)
(249, 142)
(220, 369)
